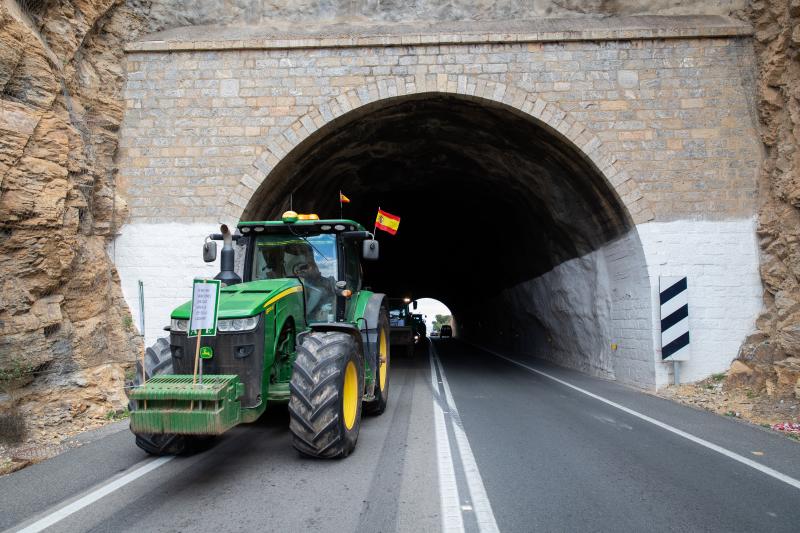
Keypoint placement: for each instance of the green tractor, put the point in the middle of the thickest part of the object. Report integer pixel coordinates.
(298, 329)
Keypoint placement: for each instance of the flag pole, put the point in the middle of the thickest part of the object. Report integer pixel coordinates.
(375, 227)
(341, 207)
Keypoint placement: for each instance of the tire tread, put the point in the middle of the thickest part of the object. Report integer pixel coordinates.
(314, 403)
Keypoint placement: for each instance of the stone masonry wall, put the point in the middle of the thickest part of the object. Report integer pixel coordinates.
(676, 114)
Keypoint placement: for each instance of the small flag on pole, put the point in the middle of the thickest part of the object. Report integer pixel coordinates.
(387, 222)
(343, 199)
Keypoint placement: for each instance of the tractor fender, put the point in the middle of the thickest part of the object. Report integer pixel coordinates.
(289, 308)
(368, 325)
(344, 327)
(284, 310)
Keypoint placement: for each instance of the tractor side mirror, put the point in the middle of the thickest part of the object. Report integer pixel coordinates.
(209, 251)
(415, 305)
(370, 250)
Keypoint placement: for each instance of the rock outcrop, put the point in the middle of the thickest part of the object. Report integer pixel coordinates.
(62, 314)
(769, 354)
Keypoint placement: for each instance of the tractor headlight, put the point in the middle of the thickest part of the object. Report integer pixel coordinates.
(238, 324)
(176, 324)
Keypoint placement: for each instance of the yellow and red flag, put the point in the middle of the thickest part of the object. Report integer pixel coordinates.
(343, 199)
(387, 222)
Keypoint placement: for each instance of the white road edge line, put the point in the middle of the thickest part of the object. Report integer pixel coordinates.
(448, 489)
(60, 514)
(688, 436)
(480, 501)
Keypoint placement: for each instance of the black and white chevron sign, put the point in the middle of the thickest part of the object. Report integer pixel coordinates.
(674, 319)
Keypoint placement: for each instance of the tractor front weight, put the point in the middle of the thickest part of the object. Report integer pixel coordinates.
(174, 404)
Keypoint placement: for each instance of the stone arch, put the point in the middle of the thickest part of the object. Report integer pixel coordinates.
(548, 114)
(580, 297)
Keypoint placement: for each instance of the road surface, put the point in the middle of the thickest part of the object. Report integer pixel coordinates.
(471, 441)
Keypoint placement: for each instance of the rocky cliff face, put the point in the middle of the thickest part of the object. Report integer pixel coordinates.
(62, 316)
(770, 358)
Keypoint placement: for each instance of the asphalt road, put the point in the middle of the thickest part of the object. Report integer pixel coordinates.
(470, 442)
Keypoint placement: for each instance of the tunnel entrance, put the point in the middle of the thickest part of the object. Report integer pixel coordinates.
(434, 313)
(503, 218)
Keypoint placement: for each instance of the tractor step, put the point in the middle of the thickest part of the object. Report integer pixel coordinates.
(279, 392)
(173, 404)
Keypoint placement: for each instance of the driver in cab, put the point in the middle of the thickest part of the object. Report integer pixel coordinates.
(320, 291)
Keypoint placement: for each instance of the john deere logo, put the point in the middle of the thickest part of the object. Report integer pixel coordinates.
(206, 352)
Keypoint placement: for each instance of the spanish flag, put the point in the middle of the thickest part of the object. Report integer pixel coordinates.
(387, 222)
(343, 199)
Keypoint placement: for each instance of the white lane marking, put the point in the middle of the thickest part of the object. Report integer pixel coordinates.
(688, 436)
(60, 514)
(448, 489)
(480, 501)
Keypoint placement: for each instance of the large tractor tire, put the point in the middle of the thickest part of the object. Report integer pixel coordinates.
(378, 405)
(158, 360)
(327, 387)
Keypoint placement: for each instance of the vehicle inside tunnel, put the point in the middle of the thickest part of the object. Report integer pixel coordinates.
(493, 205)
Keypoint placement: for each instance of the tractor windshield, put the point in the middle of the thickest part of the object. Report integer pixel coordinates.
(312, 259)
(399, 315)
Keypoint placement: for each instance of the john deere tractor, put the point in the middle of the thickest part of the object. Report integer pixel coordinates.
(297, 327)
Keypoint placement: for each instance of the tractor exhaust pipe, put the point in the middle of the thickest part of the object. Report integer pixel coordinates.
(226, 263)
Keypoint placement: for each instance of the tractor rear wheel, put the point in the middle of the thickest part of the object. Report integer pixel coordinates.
(158, 360)
(378, 405)
(327, 386)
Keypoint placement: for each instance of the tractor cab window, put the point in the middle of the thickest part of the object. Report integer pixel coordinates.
(312, 260)
(353, 273)
(399, 316)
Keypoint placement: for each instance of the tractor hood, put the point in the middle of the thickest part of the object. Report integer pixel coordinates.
(244, 299)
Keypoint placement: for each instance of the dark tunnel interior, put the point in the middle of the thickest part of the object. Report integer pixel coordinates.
(488, 197)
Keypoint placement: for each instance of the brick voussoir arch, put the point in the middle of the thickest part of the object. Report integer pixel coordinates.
(470, 87)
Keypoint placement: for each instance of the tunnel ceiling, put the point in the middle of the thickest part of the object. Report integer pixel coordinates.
(488, 198)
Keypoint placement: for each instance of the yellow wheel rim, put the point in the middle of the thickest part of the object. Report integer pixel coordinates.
(350, 395)
(384, 364)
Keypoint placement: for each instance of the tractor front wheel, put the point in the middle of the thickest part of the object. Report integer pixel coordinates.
(327, 386)
(158, 360)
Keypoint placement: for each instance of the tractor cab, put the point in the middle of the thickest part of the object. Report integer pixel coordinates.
(324, 256)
